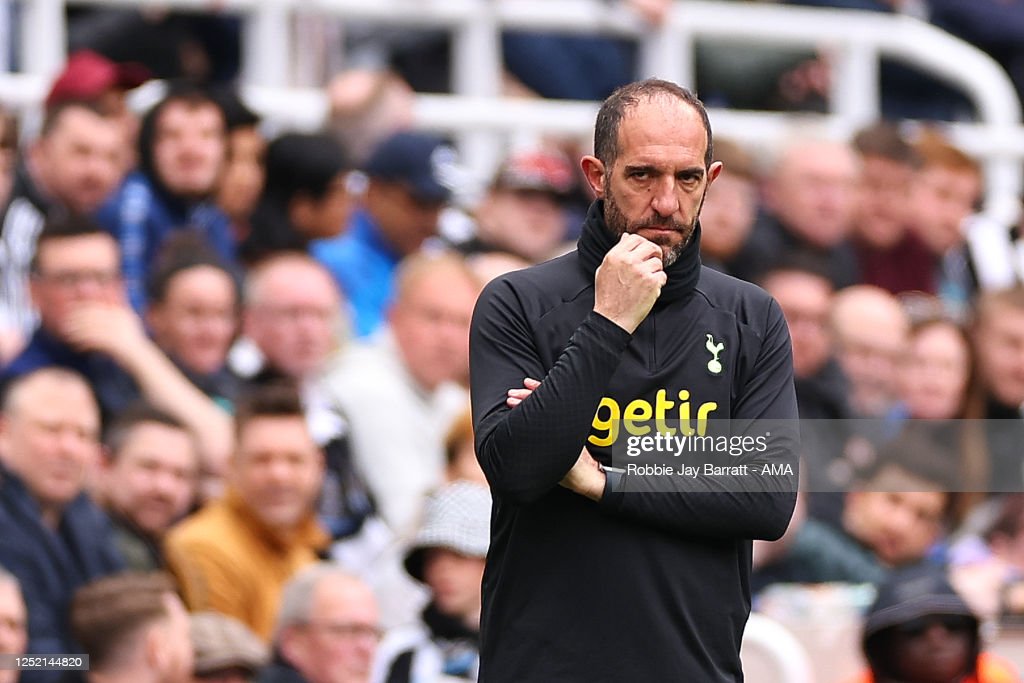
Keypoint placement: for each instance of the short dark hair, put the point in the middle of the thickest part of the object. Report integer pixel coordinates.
(237, 113)
(108, 612)
(609, 117)
(303, 163)
(64, 226)
(185, 250)
(121, 427)
(184, 92)
(884, 139)
(278, 399)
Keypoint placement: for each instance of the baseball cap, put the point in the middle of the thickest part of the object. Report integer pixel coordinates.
(457, 517)
(421, 161)
(538, 170)
(222, 642)
(88, 74)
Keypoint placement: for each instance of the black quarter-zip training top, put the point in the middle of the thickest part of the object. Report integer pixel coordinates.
(643, 585)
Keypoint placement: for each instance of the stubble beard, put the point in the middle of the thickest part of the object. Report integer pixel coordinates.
(670, 252)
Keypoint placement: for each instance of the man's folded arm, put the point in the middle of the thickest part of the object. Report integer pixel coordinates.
(527, 450)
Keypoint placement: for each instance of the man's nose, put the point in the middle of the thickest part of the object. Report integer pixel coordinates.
(665, 200)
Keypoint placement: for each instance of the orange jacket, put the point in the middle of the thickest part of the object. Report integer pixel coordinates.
(991, 669)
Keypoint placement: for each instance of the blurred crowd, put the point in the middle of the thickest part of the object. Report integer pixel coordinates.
(235, 439)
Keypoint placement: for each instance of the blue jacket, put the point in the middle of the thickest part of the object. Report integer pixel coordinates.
(52, 565)
(141, 217)
(114, 388)
(364, 266)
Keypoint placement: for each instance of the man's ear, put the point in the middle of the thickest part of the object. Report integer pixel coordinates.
(594, 171)
(291, 645)
(714, 170)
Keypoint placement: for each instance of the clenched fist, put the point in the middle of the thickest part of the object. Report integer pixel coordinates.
(629, 281)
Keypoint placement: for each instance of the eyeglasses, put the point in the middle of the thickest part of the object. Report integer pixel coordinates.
(952, 623)
(348, 631)
(73, 278)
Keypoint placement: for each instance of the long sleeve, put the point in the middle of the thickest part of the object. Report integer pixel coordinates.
(527, 450)
(754, 505)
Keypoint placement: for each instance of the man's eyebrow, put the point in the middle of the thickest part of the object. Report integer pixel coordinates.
(633, 168)
(692, 172)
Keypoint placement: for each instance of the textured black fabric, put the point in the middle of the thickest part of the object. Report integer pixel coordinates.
(642, 586)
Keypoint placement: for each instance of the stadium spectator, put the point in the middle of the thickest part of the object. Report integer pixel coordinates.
(524, 212)
(327, 630)
(87, 326)
(460, 453)
(292, 318)
(933, 377)
(182, 151)
(92, 78)
(447, 555)
(227, 651)
(134, 628)
(305, 197)
(13, 622)
(405, 192)
(889, 255)
(892, 517)
(944, 192)
(805, 295)
(730, 209)
(242, 179)
(194, 315)
(71, 168)
(52, 537)
(235, 555)
(870, 328)
(810, 199)
(146, 482)
(402, 390)
(919, 630)
(997, 398)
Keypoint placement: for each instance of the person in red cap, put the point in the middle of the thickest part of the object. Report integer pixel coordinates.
(90, 77)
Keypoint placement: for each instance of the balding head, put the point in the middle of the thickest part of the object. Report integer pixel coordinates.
(293, 313)
(328, 625)
(435, 295)
(812, 190)
(49, 436)
(871, 330)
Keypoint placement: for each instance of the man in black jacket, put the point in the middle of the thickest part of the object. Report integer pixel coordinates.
(601, 575)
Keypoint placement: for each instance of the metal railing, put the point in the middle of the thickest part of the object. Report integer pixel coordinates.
(481, 119)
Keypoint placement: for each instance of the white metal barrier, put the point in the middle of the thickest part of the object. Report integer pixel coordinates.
(481, 119)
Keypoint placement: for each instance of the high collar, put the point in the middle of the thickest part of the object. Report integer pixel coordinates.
(597, 239)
